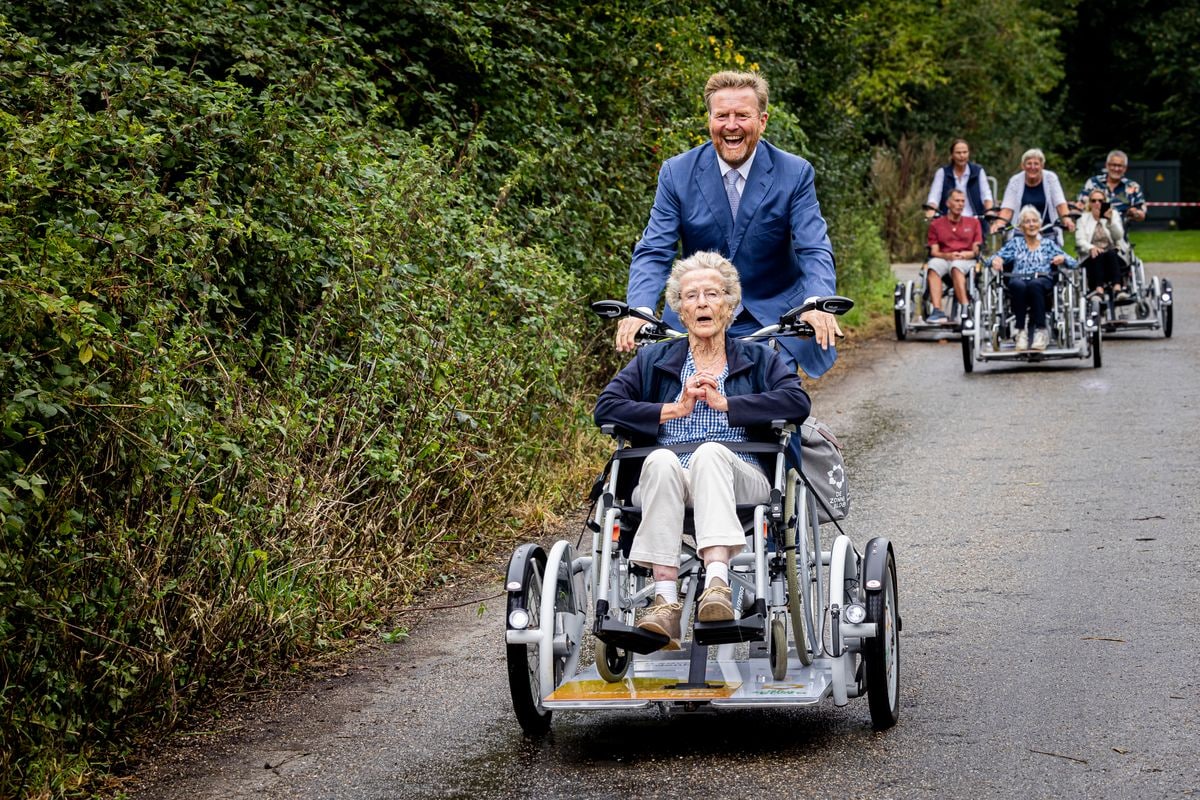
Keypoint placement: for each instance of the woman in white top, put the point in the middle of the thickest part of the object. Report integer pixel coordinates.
(1100, 241)
(1035, 186)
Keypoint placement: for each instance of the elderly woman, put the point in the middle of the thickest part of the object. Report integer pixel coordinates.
(705, 388)
(1099, 239)
(1034, 186)
(1033, 259)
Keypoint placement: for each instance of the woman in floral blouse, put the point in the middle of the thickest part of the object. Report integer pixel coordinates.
(1033, 259)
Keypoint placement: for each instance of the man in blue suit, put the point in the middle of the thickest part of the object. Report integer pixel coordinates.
(753, 203)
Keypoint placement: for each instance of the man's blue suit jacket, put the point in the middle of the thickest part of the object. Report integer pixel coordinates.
(778, 242)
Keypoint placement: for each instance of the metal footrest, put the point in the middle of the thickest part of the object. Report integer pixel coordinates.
(628, 637)
(747, 629)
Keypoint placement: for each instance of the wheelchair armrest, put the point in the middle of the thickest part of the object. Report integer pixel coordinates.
(615, 431)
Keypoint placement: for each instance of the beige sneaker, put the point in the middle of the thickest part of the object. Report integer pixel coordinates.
(716, 604)
(1022, 340)
(1041, 338)
(664, 618)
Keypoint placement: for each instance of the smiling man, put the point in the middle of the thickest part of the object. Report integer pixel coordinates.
(1123, 194)
(741, 196)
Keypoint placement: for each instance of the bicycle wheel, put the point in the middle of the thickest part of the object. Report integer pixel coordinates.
(882, 653)
(797, 555)
(524, 677)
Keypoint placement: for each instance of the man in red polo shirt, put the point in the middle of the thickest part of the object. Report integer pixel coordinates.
(954, 243)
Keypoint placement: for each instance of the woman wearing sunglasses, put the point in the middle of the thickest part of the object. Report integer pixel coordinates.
(1099, 238)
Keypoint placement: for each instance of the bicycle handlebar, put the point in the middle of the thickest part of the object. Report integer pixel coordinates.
(789, 323)
(1047, 228)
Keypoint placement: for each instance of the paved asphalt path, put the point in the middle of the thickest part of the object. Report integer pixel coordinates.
(1047, 526)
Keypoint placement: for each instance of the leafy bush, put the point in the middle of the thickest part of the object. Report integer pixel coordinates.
(259, 366)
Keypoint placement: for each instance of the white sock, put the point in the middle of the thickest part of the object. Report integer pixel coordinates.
(668, 591)
(715, 570)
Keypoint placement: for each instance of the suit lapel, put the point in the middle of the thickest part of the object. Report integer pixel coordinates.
(712, 189)
(758, 185)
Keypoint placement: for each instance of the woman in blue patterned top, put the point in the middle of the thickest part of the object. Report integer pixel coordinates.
(708, 388)
(1033, 259)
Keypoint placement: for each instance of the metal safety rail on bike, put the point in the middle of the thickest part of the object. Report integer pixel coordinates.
(813, 619)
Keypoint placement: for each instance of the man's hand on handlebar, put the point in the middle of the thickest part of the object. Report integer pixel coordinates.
(824, 325)
(626, 331)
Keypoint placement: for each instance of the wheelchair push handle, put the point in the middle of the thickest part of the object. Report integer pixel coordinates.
(789, 323)
(653, 331)
(1049, 227)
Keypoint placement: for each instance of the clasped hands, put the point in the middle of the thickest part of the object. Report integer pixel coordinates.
(701, 386)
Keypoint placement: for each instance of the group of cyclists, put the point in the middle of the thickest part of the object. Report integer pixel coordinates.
(960, 203)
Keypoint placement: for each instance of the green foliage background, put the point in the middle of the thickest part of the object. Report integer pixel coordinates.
(292, 295)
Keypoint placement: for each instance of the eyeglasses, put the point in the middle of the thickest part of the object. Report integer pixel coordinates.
(1096, 200)
(1115, 165)
(710, 295)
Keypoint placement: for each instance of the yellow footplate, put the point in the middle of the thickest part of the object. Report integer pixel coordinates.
(651, 690)
(730, 684)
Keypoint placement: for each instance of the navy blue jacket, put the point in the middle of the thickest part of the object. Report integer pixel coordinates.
(760, 388)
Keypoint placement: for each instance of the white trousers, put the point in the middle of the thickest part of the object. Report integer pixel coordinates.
(712, 486)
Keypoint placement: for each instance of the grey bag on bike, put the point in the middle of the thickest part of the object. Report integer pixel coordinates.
(825, 470)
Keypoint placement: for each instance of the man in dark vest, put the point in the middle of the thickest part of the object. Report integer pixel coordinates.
(962, 174)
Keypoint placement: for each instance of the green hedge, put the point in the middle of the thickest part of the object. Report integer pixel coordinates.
(243, 401)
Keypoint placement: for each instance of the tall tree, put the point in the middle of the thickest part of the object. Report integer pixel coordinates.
(1135, 82)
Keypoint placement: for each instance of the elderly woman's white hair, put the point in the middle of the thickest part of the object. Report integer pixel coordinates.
(1033, 152)
(705, 259)
(1028, 211)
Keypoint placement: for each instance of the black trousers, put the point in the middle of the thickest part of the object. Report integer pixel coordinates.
(1028, 297)
(1104, 269)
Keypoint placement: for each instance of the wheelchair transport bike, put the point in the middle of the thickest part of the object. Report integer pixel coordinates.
(814, 619)
(913, 307)
(1072, 318)
(1149, 304)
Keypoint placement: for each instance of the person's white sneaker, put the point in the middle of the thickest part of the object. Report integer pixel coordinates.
(1022, 340)
(1041, 338)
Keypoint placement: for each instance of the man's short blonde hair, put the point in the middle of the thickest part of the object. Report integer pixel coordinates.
(737, 80)
(705, 259)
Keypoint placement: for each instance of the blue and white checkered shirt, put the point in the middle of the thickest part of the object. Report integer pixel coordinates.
(704, 424)
(1026, 262)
